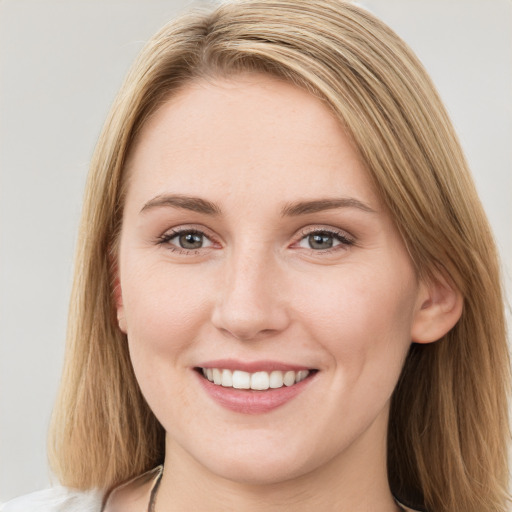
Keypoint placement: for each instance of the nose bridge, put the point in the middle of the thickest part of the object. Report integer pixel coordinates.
(250, 304)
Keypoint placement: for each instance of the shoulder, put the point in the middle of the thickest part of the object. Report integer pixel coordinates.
(57, 499)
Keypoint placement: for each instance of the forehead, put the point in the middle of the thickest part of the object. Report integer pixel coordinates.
(248, 129)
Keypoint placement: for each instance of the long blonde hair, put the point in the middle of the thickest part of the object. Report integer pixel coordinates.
(448, 430)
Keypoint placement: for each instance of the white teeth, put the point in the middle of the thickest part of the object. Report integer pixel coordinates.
(259, 380)
(301, 375)
(241, 380)
(217, 376)
(227, 379)
(289, 378)
(276, 379)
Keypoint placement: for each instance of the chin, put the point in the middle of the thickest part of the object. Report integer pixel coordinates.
(263, 461)
(263, 472)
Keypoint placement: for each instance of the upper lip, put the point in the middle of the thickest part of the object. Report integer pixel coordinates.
(253, 366)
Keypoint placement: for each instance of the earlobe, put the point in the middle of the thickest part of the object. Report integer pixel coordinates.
(439, 309)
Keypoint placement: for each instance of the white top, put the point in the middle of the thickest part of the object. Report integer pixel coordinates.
(57, 499)
(63, 499)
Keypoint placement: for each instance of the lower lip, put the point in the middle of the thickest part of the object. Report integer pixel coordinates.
(250, 401)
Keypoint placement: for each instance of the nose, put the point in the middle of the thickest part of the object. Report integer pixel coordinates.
(251, 302)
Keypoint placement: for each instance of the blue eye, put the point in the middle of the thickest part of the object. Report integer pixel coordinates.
(324, 240)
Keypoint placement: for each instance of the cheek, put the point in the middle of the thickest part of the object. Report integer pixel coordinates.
(165, 311)
(362, 317)
(161, 304)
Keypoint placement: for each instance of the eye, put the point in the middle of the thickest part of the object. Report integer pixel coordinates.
(322, 240)
(186, 239)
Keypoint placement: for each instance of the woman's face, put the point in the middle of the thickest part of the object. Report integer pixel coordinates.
(255, 250)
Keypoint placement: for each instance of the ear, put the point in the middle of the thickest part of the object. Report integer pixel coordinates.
(439, 309)
(118, 298)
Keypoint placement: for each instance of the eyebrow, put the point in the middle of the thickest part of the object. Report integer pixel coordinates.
(319, 205)
(196, 204)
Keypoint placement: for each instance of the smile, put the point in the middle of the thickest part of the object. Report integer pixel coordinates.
(259, 381)
(253, 387)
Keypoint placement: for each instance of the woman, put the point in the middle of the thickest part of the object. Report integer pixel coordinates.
(277, 207)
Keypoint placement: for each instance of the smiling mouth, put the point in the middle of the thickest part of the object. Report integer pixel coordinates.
(259, 381)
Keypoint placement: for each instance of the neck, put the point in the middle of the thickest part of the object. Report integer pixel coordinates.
(353, 481)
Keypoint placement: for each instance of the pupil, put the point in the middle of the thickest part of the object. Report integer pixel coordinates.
(191, 241)
(320, 241)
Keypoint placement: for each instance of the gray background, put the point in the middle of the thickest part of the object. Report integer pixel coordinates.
(61, 63)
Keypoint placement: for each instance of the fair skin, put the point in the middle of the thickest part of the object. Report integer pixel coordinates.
(250, 277)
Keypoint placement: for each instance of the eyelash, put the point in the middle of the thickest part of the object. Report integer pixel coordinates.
(342, 237)
(166, 238)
